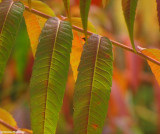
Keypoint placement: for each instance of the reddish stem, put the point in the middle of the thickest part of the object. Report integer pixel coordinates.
(89, 33)
(8, 126)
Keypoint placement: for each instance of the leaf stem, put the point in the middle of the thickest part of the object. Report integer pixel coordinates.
(8, 126)
(89, 33)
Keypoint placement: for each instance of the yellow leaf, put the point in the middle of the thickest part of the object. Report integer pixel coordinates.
(35, 23)
(77, 22)
(77, 44)
(40, 6)
(6, 117)
(155, 54)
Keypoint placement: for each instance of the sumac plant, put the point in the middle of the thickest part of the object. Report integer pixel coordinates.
(51, 42)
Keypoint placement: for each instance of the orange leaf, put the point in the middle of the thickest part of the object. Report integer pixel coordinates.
(77, 44)
(35, 23)
(33, 28)
(155, 54)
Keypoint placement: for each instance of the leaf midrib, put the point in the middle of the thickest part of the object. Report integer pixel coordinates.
(3, 24)
(92, 82)
(49, 74)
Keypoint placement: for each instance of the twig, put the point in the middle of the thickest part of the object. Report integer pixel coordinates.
(8, 126)
(89, 33)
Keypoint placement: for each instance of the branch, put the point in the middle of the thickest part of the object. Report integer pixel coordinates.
(8, 126)
(89, 33)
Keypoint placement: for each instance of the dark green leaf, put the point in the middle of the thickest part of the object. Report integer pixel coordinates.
(84, 9)
(129, 10)
(67, 7)
(93, 86)
(11, 14)
(49, 75)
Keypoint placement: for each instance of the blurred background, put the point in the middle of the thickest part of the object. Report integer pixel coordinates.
(134, 106)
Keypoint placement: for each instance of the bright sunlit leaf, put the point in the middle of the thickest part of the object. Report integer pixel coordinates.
(155, 54)
(35, 22)
(49, 75)
(93, 86)
(11, 14)
(40, 6)
(129, 10)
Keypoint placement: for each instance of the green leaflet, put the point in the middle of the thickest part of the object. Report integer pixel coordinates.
(49, 75)
(84, 10)
(93, 86)
(67, 7)
(129, 10)
(11, 14)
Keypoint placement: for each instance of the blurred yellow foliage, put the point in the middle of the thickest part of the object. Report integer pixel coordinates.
(6, 117)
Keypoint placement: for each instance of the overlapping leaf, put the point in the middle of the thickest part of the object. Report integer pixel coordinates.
(49, 75)
(158, 10)
(35, 22)
(77, 44)
(11, 14)
(129, 10)
(155, 54)
(84, 10)
(93, 86)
